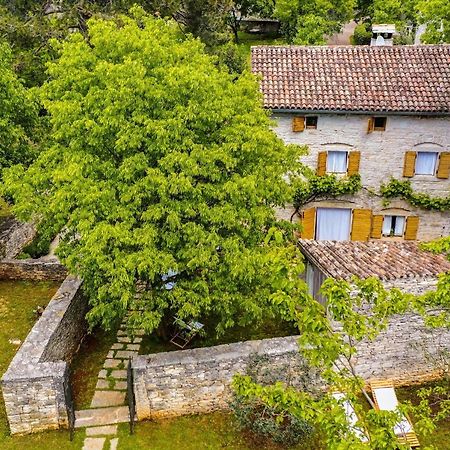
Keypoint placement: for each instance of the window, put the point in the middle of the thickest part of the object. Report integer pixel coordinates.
(426, 163)
(333, 224)
(393, 225)
(379, 123)
(337, 162)
(311, 122)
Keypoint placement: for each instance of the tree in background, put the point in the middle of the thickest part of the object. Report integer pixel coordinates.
(163, 170)
(18, 116)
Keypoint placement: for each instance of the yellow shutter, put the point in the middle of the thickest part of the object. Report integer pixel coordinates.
(410, 164)
(412, 226)
(444, 165)
(298, 123)
(322, 163)
(353, 163)
(370, 125)
(308, 222)
(377, 227)
(361, 225)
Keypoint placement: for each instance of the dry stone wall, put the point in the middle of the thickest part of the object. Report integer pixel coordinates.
(32, 269)
(198, 380)
(35, 386)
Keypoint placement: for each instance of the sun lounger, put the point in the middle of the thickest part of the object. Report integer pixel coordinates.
(351, 415)
(385, 399)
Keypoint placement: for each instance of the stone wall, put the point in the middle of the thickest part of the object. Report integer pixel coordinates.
(32, 269)
(36, 382)
(198, 380)
(14, 236)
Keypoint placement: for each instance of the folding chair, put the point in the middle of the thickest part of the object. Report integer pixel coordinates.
(352, 418)
(385, 399)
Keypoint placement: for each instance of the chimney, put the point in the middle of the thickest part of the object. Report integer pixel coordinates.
(382, 34)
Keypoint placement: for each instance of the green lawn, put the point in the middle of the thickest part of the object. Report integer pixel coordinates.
(269, 328)
(18, 299)
(440, 438)
(87, 364)
(208, 431)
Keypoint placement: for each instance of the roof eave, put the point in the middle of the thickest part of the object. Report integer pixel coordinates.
(358, 112)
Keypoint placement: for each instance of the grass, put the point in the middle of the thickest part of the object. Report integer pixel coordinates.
(269, 328)
(440, 438)
(18, 299)
(87, 364)
(200, 432)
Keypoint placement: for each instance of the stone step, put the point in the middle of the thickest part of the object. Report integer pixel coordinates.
(101, 416)
(94, 443)
(107, 398)
(105, 430)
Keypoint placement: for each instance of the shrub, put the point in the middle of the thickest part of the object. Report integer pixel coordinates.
(268, 423)
(362, 34)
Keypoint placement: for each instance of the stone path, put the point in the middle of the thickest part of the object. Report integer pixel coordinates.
(108, 406)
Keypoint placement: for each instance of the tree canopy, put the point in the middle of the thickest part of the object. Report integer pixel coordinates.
(163, 169)
(18, 115)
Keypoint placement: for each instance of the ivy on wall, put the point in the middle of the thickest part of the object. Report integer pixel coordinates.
(403, 189)
(325, 186)
(330, 186)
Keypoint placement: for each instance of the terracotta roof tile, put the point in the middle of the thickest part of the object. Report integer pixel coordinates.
(400, 78)
(383, 259)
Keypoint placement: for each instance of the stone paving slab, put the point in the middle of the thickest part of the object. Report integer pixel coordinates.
(102, 384)
(119, 374)
(120, 385)
(113, 444)
(127, 340)
(105, 430)
(134, 347)
(117, 346)
(94, 443)
(101, 416)
(112, 363)
(125, 354)
(103, 373)
(107, 398)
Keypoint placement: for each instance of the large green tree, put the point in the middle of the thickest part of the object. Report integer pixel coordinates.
(162, 165)
(18, 115)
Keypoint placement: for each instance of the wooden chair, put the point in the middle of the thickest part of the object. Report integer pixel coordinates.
(385, 399)
(352, 417)
(185, 332)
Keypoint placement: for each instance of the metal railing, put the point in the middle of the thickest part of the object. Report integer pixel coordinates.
(130, 396)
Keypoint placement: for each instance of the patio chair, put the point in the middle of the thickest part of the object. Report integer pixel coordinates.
(352, 418)
(185, 332)
(385, 399)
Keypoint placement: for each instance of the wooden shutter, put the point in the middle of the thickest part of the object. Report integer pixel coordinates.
(409, 167)
(412, 226)
(370, 125)
(308, 223)
(377, 226)
(353, 163)
(361, 225)
(298, 123)
(322, 163)
(444, 165)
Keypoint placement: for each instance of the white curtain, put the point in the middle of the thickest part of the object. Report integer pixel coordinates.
(426, 163)
(337, 162)
(395, 224)
(333, 224)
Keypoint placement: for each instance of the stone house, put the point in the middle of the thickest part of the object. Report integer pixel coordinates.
(379, 111)
(407, 350)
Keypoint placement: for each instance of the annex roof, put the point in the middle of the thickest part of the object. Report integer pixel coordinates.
(397, 79)
(383, 259)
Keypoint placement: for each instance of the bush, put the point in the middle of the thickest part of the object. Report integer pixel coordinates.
(268, 423)
(362, 34)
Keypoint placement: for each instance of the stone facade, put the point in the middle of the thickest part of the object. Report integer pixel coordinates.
(14, 236)
(36, 385)
(382, 157)
(32, 269)
(198, 380)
